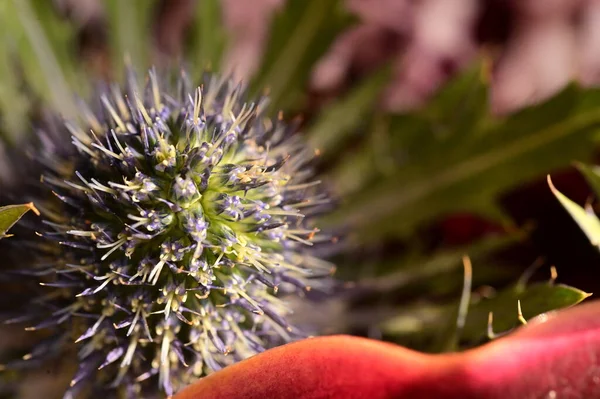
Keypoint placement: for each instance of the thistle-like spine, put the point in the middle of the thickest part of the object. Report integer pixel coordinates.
(182, 220)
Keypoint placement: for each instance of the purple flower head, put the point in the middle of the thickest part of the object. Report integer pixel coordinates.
(175, 217)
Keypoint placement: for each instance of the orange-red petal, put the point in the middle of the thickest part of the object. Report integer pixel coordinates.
(558, 357)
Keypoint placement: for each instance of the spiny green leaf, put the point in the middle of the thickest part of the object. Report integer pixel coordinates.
(432, 324)
(455, 157)
(343, 117)
(535, 299)
(415, 140)
(440, 275)
(10, 214)
(299, 35)
(587, 220)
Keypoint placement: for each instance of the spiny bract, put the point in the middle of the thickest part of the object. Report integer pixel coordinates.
(182, 223)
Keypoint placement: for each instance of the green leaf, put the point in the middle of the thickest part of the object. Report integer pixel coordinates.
(299, 35)
(355, 169)
(208, 37)
(587, 220)
(592, 175)
(453, 156)
(431, 323)
(14, 104)
(438, 273)
(344, 116)
(44, 46)
(9, 215)
(535, 299)
(130, 34)
(414, 320)
(411, 301)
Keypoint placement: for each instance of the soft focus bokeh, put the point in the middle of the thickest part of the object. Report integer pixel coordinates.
(435, 124)
(538, 45)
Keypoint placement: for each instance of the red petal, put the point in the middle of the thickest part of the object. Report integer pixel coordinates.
(325, 367)
(554, 357)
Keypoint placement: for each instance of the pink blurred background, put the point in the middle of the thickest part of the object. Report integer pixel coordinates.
(537, 45)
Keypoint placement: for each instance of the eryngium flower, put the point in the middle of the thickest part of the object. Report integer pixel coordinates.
(181, 224)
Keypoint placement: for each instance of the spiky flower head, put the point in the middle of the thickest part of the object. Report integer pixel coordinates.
(177, 226)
